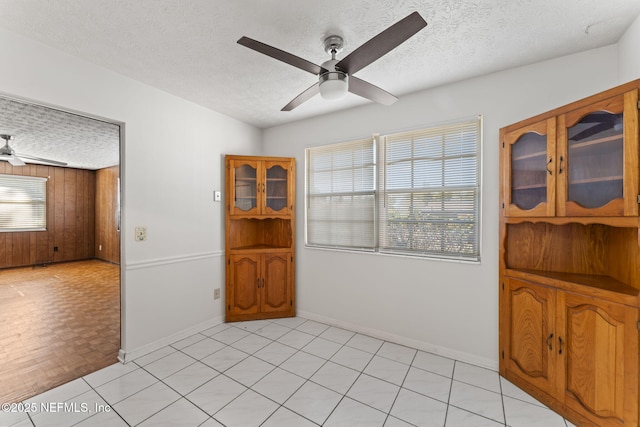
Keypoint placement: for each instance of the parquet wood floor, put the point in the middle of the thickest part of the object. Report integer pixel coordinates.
(57, 323)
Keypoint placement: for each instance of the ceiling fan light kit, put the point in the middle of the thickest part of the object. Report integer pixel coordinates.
(335, 77)
(333, 84)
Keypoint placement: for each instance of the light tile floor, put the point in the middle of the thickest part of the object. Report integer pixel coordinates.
(286, 373)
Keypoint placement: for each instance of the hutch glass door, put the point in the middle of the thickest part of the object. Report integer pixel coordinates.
(529, 166)
(277, 188)
(246, 191)
(595, 160)
(531, 170)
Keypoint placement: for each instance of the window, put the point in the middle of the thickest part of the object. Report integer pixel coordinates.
(340, 197)
(22, 203)
(429, 195)
(413, 193)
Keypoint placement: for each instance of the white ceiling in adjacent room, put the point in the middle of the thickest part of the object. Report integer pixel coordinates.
(79, 141)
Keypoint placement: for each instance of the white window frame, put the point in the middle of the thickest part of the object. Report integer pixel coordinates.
(464, 189)
(23, 196)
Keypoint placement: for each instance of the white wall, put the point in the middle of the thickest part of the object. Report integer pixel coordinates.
(629, 53)
(446, 307)
(173, 161)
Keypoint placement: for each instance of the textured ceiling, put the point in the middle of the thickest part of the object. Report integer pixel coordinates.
(39, 131)
(188, 47)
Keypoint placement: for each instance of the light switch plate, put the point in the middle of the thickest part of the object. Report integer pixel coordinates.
(141, 234)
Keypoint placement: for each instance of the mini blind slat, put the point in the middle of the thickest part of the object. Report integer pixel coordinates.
(340, 195)
(22, 203)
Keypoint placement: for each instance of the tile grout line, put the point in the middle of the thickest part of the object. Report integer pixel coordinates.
(453, 373)
(504, 409)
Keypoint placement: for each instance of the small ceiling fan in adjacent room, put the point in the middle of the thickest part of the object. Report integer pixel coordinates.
(335, 77)
(8, 154)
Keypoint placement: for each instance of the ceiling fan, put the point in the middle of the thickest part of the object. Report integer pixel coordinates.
(335, 77)
(8, 154)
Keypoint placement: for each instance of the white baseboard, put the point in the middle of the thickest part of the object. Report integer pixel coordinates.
(409, 342)
(128, 356)
(125, 356)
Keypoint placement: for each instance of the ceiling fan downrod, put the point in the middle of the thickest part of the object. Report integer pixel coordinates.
(334, 83)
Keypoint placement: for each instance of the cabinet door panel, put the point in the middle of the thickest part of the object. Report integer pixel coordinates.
(530, 170)
(598, 153)
(244, 187)
(276, 292)
(277, 188)
(243, 284)
(530, 322)
(599, 340)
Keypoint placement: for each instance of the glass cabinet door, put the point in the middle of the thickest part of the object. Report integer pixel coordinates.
(276, 190)
(260, 187)
(531, 170)
(245, 188)
(592, 160)
(595, 154)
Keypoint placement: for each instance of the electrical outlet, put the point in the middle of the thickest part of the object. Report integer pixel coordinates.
(141, 234)
(216, 293)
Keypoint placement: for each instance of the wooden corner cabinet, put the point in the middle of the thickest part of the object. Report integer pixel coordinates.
(569, 291)
(259, 237)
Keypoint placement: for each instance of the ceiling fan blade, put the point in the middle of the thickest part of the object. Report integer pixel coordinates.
(40, 159)
(303, 97)
(281, 55)
(369, 91)
(382, 44)
(13, 160)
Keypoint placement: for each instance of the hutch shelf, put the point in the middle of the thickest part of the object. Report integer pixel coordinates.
(570, 258)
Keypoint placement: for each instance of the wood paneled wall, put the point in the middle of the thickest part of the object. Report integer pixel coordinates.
(107, 246)
(70, 234)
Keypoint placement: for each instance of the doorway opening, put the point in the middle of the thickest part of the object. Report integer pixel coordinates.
(60, 285)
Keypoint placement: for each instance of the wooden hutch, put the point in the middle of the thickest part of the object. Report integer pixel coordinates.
(260, 225)
(570, 260)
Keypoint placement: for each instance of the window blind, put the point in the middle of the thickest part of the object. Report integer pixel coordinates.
(340, 195)
(22, 203)
(430, 191)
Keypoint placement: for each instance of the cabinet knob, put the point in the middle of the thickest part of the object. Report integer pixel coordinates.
(548, 163)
